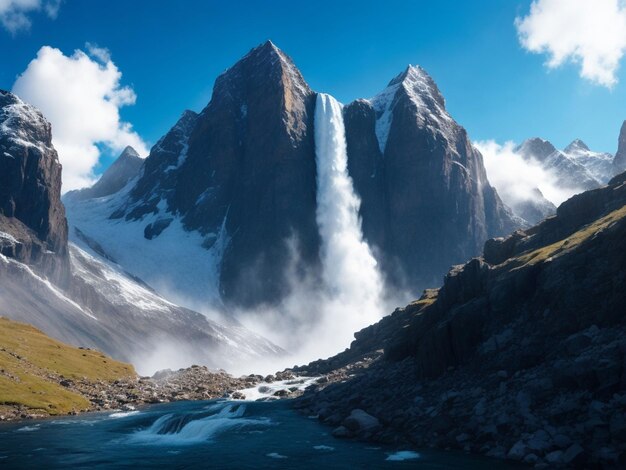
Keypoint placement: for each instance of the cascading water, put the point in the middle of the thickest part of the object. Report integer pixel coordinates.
(322, 320)
(350, 272)
(190, 428)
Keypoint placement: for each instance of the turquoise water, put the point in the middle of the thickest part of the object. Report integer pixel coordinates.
(210, 434)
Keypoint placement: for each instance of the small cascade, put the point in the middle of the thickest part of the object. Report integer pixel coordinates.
(190, 428)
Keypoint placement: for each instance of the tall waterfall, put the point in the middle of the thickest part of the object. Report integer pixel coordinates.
(318, 321)
(350, 272)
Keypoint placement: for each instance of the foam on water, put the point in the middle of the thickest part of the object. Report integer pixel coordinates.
(323, 447)
(123, 414)
(266, 390)
(192, 428)
(403, 455)
(29, 428)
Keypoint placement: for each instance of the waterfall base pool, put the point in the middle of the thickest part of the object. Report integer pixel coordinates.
(211, 434)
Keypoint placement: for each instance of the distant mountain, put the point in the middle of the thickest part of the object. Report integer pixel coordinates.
(123, 169)
(598, 164)
(533, 209)
(519, 355)
(230, 194)
(74, 291)
(576, 167)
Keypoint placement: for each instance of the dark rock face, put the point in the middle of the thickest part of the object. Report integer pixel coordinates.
(159, 177)
(247, 162)
(619, 162)
(419, 179)
(519, 355)
(31, 212)
(125, 168)
(253, 150)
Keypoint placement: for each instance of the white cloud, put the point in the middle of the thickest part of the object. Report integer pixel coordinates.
(515, 178)
(15, 14)
(81, 96)
(591, 33)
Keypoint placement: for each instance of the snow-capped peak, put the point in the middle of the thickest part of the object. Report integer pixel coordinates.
(414, 83)
(576, 145)
(23, 124)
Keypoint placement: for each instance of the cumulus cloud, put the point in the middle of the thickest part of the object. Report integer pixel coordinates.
(589, 33)
(15, 14)
(516, 179)
(81, 96)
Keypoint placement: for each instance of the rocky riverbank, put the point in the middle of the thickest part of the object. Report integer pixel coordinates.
(193, 383)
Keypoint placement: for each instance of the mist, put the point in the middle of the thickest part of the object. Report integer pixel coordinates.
(515, 178)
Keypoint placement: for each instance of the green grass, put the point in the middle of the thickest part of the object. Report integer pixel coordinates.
(542, 254)
(31, 364)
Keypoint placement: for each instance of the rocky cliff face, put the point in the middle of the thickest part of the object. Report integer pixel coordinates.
(123, 169)
(619, 163)
(520, 354)
(32, 217)
(245, 164)
(419, 179)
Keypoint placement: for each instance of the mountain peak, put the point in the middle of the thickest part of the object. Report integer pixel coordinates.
(121, 171)
(23, 124)
(128, 152)
(576, 145)
(264, 65)
(419, 85)
(535, 147)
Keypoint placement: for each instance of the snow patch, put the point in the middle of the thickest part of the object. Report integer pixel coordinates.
(192, 270)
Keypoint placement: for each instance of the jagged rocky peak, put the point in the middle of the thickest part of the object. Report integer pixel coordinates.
(619, 162)
(128, 153)
(160, 169)
(413, 87)
(576, 146)
(255, 80)
(535, 147)
(122, 170)
(418, 177)
(420, 86)
(246, 159)
(32, 217)
(576, 168)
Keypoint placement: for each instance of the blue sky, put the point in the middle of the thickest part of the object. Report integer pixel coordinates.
(171, 52)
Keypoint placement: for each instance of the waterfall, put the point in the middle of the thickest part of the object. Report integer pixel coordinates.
(349, 270)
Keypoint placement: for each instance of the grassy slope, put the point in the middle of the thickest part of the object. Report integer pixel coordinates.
(573, 241)
(32, 364)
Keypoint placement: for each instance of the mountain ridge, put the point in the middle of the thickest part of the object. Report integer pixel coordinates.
(246, 182)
